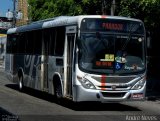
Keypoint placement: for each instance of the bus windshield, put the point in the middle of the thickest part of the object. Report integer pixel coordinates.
(111, 52)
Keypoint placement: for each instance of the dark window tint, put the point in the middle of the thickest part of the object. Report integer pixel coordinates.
(52, 33)
(9, 44)
(29, 43)
(60, 38)
(21, 43)
(37, 39)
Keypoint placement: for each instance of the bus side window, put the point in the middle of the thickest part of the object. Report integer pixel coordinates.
(60, 38)
(14, 43)
(21, 43)
(29, 43)
(46, 40)
(52, 35)
(9, 44)
(37, 40)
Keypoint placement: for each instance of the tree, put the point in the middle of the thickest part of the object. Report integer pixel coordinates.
(46, 9)
(148, 11)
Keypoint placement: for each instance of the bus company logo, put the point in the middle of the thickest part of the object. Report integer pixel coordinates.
(113, 87)
(27, 61)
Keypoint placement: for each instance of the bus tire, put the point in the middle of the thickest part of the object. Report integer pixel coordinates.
(57, 89)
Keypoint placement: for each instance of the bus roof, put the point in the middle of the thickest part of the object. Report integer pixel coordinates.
(62, 20)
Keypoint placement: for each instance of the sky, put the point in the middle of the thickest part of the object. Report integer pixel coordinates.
(4, 6)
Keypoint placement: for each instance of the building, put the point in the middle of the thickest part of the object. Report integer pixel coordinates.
(4, 25)
(22, 7)
(2, 47)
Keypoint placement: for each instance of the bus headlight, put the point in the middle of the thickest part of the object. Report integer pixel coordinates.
(139, 84)
(86, 83)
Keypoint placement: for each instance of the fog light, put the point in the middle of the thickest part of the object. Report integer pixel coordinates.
(98, 96)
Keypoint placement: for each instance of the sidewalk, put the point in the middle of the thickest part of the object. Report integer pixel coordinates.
(153, 88)
(1, 64)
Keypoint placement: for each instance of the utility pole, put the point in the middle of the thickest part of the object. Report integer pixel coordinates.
(14, 13)
(22, 7)
(13, 16)
(104, 7)
(113, 7)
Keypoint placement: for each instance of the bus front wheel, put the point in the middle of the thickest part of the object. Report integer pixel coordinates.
(58, 90)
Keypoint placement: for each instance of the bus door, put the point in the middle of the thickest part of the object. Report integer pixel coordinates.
(70, 35)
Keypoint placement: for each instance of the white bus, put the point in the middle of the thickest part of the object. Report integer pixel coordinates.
(82, 58)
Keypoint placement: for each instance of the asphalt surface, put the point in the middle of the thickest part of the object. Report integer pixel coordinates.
(32, 105)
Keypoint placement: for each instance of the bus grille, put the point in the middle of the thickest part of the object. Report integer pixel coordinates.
(115, 79)
(114, 95)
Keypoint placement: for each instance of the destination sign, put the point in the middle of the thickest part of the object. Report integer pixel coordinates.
(107, 62)
(112, 25)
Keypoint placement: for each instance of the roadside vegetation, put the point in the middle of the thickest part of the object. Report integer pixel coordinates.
(146, 10)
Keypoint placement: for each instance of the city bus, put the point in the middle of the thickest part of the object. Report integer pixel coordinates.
(81, 58)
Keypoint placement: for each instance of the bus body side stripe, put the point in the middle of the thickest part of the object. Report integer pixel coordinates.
(103, 81)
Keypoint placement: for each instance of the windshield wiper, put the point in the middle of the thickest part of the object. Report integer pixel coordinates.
(129, 35)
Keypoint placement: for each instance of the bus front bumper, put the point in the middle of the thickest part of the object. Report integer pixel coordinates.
(83, 94)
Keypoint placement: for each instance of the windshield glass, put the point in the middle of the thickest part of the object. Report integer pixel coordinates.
(111, 46)
(111, 53)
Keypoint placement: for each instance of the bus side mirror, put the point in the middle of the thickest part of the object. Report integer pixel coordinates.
(148, 37)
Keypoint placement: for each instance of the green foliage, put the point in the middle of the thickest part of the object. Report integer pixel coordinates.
(41, 9)
(50, 8)
(149, 12)
(146, 10)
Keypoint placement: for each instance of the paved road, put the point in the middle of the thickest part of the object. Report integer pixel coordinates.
(33, 105)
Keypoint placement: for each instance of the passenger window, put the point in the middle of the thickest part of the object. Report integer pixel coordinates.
(21, 43)
(60, 39)
(9, 44)
(29, 42)
(14, 43)
(37, 39)
(52, 41)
